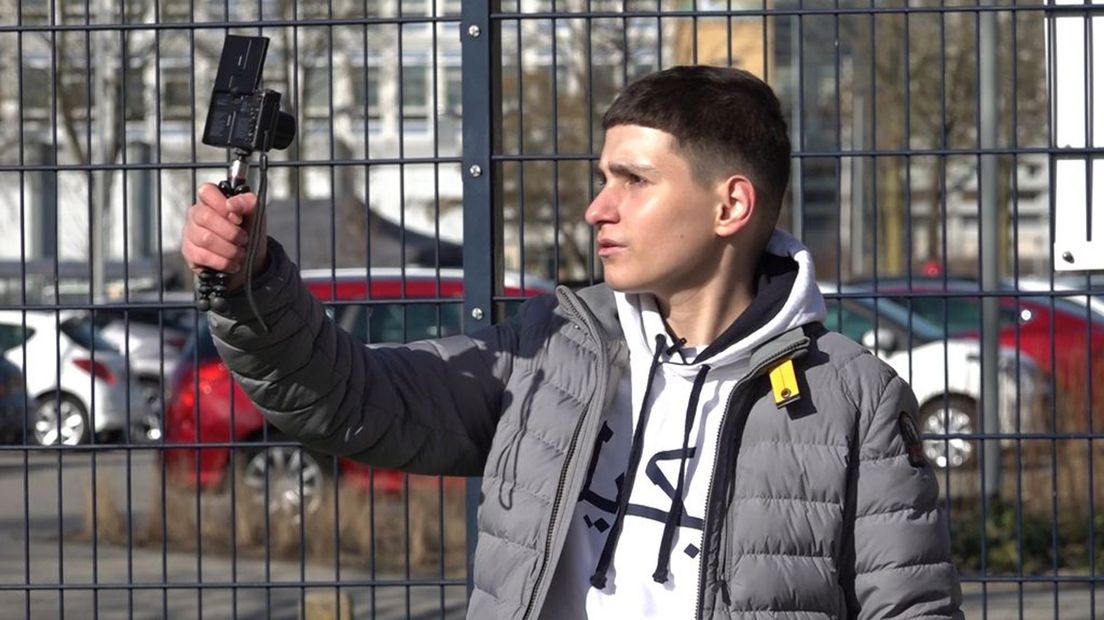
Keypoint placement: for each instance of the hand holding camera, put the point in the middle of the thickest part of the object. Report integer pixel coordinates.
(216, 237)
(242, 118)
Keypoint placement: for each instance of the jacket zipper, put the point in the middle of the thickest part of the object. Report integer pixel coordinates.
(601, 394)
(706, 529)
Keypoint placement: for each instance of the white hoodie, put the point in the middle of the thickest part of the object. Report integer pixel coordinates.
(641, 577)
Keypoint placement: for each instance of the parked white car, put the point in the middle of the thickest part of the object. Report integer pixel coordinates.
(77, 382)
(150, 339)
(945, 374)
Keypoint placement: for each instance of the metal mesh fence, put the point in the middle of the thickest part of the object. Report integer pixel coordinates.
(944, 159)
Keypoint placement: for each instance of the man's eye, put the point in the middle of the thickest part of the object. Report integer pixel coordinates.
(634, 180)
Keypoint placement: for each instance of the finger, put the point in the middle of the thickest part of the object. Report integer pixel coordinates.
(208, 240)
(207, 218)
(200, 258)
(235, 208)
(210, 195)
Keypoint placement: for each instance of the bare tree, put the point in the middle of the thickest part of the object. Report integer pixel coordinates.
(552, 106)
(925, 96)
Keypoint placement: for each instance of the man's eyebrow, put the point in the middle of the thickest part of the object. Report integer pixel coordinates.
(627, 169)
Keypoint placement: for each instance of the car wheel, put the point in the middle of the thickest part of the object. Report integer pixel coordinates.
(291, 476)
(59, 421)
(955, 415)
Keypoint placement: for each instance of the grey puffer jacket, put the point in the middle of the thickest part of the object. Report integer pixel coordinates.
(816, 510)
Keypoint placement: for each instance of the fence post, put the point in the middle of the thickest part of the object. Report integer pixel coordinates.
(478, 101)
(990, 253)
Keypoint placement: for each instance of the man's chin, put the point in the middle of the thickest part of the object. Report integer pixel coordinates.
(626, 286)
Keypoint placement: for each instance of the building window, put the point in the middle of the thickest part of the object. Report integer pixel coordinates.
(77, 10)
(36, 92)
(175, 11)
(366, 94)
(216, 10)
(372, 92)
(450, 8)
(35, 11)
(450, 97)
(412, 8)
(75, 91)
(176, 93)
(316, 91)
(314, 10)
(415, 92)
(135, 93)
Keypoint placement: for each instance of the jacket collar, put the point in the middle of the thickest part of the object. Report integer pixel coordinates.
(790, 344)
(598, 299)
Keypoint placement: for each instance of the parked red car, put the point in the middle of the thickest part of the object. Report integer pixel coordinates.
(1061, 339)
(206, 406)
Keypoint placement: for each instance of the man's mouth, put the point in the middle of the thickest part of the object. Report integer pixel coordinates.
(609, 248)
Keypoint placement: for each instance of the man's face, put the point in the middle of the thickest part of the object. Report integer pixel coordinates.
(653, 220)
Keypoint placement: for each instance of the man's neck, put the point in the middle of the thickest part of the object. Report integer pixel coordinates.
(701, 315)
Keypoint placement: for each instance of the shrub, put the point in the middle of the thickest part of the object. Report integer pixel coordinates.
(1020, 542)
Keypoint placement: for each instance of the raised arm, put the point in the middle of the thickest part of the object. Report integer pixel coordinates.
(427, 407)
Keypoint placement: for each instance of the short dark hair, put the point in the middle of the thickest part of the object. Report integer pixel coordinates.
(725, 121)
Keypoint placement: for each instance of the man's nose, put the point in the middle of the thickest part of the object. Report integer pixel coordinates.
(602, 209)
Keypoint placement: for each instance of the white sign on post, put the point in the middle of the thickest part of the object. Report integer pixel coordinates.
(1078, 182)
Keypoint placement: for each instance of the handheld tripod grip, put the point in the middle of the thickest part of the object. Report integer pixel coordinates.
(211, 286)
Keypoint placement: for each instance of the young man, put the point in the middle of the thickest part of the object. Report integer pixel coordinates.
(684, 441)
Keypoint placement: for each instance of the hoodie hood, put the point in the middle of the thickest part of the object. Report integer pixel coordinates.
(786, 297)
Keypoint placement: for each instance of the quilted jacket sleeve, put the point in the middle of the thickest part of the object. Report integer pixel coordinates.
(903, 565)
(429, 407)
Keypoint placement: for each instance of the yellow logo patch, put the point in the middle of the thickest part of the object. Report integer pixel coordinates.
(784, 384)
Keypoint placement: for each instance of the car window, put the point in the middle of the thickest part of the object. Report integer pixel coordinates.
(401, 322)
(844, 319)
(857, 316)
(81, 331)
(961, 315)
(12, 336)
(11, 377)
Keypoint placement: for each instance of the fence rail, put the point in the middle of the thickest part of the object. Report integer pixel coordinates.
(932, 154)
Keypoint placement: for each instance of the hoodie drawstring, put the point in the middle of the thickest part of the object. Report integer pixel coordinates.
(598, 579)
(674, 515)
(675, 346)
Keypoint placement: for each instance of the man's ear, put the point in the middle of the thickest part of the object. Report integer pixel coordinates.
(737, 206)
